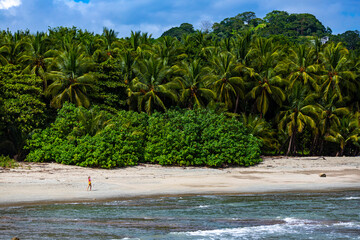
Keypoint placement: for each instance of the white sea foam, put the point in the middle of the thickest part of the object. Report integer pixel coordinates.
(241, 232)
(203, 206)
(348, 224)
(352, 198)
(296, 221)
(290, 226)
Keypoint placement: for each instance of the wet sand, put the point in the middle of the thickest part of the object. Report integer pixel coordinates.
(50, 182)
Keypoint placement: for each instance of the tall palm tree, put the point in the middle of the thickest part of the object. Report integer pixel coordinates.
(13, 48)
(302, 67)
(192, 80)
(336, 74)
(225, 79)
(242, 47)
(72, 79)
(300, 112)
(110, 37)
(269, 85)
(151, 86)
(168, 49)
(330, 112)
(265, 54)
(38, 57)
(127, 64)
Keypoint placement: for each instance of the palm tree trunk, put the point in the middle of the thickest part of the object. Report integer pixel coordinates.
(236, 104)
(314, 145)
(342, 151)
(290, 144)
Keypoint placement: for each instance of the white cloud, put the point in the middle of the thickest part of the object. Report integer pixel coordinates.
(6, 4)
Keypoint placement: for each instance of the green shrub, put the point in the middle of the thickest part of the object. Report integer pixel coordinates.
(200, 138)
(7, 162)
(92, 138)
(118, 142)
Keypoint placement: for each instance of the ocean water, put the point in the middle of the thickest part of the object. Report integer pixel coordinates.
(333, 215)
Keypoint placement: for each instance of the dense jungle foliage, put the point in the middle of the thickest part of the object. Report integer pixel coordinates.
(209, 98)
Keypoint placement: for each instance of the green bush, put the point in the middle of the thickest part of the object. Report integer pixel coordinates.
(7, 162)
(118, 142)
(93, 138)
(200, 138)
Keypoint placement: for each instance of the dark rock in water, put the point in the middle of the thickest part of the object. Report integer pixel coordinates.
(322, 175)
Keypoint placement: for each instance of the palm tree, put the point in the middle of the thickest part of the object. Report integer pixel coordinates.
(150, 86)
(242, 48)
(336, 75)
(135, 40)
(127, 64)
(14, 47)
(265, 54)
(72, 79)
(38, 57)
(192, 80)
(300, 112)
(169, 50)
(110, 37)
(330, 112)
(347, 132)
(269, 87)
(301, 64)
(226, 80)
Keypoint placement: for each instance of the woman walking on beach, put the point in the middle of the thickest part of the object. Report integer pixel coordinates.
(89, 185)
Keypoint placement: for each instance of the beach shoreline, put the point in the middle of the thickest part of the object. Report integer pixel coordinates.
(48, 183)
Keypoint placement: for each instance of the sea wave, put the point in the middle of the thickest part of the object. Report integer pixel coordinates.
(289, 226)
(351, 198)
(240, 232)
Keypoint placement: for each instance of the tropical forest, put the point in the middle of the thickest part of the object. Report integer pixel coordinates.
(223, 95)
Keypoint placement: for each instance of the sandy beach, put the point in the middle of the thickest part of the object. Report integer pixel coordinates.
(50, 182)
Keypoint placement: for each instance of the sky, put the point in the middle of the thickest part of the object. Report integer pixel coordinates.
(157, 16)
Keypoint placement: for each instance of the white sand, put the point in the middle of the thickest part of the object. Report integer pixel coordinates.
(51, 182)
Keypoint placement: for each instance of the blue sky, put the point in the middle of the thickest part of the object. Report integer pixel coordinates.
(156, 16)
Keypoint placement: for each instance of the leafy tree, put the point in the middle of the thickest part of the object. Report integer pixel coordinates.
(22, 108)
(178, 32)
(109, 89)
(351, 39)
